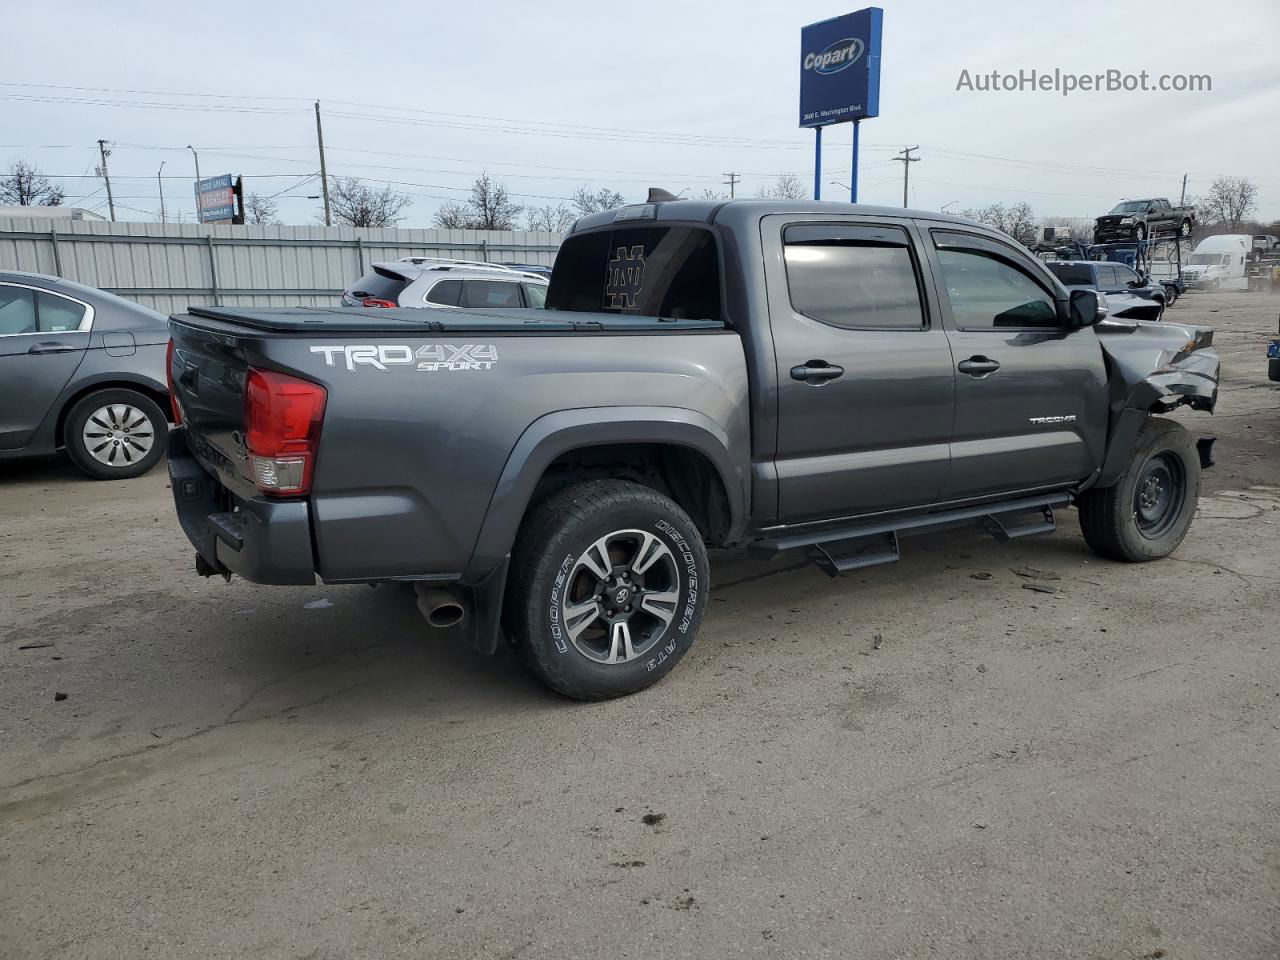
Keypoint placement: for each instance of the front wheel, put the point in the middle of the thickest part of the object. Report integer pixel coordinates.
(609, 586)
(1140, 232)
(115, 434)
(1146, 513)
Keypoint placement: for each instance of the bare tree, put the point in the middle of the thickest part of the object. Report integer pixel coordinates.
(489, 208)
(585, 201)
(1017, 221)
(709, 194)
(26, 186)
(1229, 201)
(356, 204)
(261, 210)
(555, 219)
(786, 187)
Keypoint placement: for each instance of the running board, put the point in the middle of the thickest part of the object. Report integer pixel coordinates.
(843, 555)
(836, 549)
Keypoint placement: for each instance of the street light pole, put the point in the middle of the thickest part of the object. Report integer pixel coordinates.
(160, 184)
(199, 212)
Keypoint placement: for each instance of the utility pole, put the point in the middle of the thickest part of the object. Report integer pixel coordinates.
(104, 153)
(199, 212)
(731, 179)
(324, 176)
(160, 184)
(1183, 199)
(907, 159)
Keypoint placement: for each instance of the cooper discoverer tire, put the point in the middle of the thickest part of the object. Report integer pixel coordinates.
(115, 434)
(1146, 513)
(609, 584)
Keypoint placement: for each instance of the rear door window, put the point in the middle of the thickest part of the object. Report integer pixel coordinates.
(445, 293)
(853, 276)
(491, 293)
(648, 271)
(17, 310)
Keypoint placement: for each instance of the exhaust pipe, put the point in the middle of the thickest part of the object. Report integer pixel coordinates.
(441, 606)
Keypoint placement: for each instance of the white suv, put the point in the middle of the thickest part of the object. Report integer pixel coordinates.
(435, 282)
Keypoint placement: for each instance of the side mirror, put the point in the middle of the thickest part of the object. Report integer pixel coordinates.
(1085, 308)
(1136, 283)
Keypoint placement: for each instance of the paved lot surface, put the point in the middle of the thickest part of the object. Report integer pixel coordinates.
(240, 771)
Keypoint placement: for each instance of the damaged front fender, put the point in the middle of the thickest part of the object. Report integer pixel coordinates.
(1152, 368)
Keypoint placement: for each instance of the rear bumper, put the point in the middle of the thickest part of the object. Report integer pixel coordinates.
(263, 541)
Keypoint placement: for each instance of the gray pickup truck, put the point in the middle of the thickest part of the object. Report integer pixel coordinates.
(785, 375)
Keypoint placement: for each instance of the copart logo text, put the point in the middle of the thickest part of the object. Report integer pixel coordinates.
(431, 357)
(836, 57)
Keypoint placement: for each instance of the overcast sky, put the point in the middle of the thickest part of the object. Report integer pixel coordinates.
(548, 97)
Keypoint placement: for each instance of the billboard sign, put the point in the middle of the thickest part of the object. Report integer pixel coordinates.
(840, 68)
(215, 199)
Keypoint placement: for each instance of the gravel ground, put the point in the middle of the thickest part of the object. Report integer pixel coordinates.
(241, 771)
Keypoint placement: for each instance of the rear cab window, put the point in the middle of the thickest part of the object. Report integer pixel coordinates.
(1072, 274)
(648, 271)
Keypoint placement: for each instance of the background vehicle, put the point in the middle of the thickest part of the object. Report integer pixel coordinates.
(1219, 263)
(1142, 219)
(81, 369)
(1126, 295)
(786, 374)
(430, 282)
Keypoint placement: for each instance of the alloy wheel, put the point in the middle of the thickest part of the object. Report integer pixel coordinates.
(118, 435)
(620, 596)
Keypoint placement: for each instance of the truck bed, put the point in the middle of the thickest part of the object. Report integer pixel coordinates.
(438, 320)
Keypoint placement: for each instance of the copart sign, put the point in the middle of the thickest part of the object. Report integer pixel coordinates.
(840, 68)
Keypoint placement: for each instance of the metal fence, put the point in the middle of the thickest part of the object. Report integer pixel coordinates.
(168, 266)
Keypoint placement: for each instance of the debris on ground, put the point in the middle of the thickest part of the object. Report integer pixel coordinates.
(38, 645)
(653, 819)
(321, 604)
(1039, 587)
(981, 575)
(978, 824)
(626, 863)
(59, 696)
(982, 668)
(877, 642)
(1033, 573)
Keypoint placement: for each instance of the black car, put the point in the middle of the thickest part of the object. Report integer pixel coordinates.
(81, 369)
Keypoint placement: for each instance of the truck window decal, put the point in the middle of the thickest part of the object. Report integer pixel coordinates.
(625, 278)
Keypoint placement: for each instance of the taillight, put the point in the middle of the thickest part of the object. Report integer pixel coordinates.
(174, 406)
(282, 430)
(376, 302)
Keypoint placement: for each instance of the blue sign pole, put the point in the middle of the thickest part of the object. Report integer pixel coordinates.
(853, 171)
(817, 163)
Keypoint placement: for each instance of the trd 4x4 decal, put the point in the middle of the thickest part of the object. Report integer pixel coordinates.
(431, 357)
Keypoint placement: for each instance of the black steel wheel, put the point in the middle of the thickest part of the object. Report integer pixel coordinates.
(1146, 513)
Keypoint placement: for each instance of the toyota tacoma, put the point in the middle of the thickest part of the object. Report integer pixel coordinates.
(783, 375)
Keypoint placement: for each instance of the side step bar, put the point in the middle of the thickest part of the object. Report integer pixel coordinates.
(871, 542)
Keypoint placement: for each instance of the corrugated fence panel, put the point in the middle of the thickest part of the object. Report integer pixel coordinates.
(169, 266)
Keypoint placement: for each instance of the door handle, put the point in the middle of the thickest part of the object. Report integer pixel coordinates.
(978, 366)
(816, 371)
(52, 346)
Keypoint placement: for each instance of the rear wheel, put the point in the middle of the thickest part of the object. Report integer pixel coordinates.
(610, 581)
(115, 434)
(1146, 513)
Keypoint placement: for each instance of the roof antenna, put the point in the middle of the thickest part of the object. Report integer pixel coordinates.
(658, 195)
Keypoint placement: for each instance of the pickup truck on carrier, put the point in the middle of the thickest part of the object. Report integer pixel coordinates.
(1143, 219)
(788, 375)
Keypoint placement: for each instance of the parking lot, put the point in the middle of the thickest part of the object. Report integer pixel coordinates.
(923, 759)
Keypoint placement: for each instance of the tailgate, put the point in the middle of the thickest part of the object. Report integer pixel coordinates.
(208, 368)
